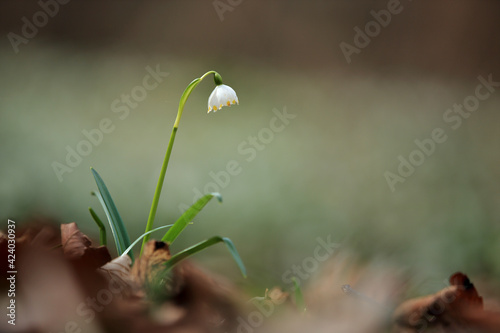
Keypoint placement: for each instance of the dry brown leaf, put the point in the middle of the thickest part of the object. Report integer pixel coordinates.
(39, 232)
(151, 262)
(457, 308)
(78, 247)
(209, 298)
(199, 299)
(63, 285)
(118, 272)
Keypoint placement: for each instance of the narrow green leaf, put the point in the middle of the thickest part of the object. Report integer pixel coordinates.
(142, 236)
(102, 228)
(232, 249)
(178, 257)
(188, 216)
(299, 298)
(118, 229)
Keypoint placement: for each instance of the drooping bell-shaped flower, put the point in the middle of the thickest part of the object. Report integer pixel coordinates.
(221, 96)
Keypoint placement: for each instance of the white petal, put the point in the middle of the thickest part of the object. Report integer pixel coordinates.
(222, 96)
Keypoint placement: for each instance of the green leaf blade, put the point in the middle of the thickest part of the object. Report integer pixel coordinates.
(236, 256)
(178, 257)
(100, 225)
(122, 240)
(187, 217)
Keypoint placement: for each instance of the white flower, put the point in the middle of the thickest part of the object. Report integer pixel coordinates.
(221, 96)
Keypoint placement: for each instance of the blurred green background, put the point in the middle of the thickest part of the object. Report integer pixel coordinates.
(322, 175)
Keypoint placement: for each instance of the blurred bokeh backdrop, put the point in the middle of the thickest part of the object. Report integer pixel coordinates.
(360, 80)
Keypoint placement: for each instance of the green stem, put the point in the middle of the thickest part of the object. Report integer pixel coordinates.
(102, 228)
(159, 185)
